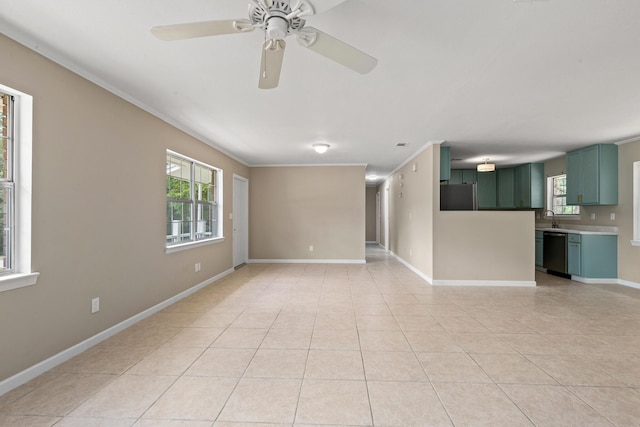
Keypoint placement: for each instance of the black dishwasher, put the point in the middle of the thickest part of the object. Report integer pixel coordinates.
(555, 251)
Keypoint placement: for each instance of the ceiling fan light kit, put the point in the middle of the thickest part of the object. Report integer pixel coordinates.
(278, 19)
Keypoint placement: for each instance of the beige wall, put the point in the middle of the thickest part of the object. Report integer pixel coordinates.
(477, 246)
(98, 213)
(371, 214)
(628, 256)
(411, 206)
(292, 208)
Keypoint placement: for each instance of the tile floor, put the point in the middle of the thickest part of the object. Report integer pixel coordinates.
(355, 345)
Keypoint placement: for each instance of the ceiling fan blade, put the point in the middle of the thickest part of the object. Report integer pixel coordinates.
(201, 29)
(336, 50)
(320, 6)
(271, 63)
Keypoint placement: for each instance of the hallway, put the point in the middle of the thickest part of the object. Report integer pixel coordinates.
(318, 344)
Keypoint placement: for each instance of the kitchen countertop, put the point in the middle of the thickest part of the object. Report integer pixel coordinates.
(579, 229)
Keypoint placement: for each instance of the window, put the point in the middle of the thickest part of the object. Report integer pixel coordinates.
(193, 201)
(636, 204)
(557, 196)
(15, 189)
(6, 185)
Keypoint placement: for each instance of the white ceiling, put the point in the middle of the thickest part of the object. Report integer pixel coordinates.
(515, 81)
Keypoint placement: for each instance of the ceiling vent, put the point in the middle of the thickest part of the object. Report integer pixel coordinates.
(401, 144)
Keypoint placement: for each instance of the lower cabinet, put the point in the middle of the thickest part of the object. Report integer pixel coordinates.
(592, 256)
(574, 254)
(539, 248)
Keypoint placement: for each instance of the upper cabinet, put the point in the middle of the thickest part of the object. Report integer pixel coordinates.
(592, 175)
(487, 190)
(445, 163)
(463, 176)
(506, 188)
(521, 187)
(469, 176)
(529, 186)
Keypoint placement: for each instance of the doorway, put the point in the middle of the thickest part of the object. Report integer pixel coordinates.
(240, 220)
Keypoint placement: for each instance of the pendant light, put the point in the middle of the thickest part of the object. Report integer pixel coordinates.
(486, 167)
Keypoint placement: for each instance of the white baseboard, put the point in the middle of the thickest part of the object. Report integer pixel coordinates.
(55, 360)
(510, 283)
(591, 281)
(433, 282)
(629, 284)
(412, 268)
(307, 261)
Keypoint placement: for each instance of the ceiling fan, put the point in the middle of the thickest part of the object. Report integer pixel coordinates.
(278, 19)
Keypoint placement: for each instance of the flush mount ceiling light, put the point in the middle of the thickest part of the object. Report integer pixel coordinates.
(486, 167)
(320, 148)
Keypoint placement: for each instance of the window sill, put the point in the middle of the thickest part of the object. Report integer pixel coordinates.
(635, 243)
(18, 280)
(190, 245)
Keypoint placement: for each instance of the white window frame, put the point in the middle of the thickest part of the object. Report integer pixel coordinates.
(636, 204)
(218, 181)
(550, 200)
(21, 275)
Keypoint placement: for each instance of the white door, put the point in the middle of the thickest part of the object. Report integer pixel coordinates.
(386, 218)
(240, 220)
(378, 217)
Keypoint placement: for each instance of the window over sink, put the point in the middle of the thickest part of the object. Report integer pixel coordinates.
(557, 198)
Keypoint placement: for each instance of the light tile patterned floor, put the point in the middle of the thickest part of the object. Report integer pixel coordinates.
(355, 345)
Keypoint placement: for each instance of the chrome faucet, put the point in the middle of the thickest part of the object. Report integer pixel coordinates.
(554, 223)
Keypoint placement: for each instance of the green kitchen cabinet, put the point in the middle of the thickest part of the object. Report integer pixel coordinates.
(539, 248)
(487, 190)
(599, 256)
(455, 176)
(445, 163)
(593, 256)
(529, 186)
(592, 175)
(506, 188)
(463, 176)
(469, 176)
(574, 254)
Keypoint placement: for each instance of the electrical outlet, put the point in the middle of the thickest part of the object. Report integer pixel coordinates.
(310, 248)
(593, 215)
(613, 216)
(95, 305)
(197, 266)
